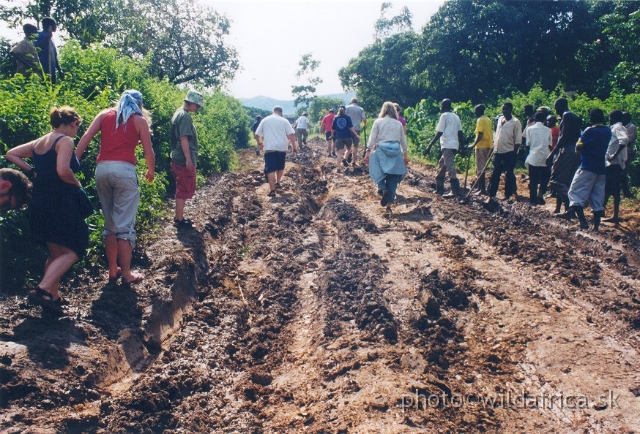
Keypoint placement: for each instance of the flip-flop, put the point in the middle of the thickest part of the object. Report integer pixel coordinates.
(44, 298)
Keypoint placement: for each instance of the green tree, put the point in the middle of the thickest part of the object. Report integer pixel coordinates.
(385, 27)
(481, 49)
(320, 106)
(383, 71)
(184, 42)
(305, 93)
(620, 28)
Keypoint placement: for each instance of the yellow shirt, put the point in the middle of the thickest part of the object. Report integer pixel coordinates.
(485, 127)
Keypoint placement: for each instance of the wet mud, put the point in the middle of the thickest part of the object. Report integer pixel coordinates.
(320, 311)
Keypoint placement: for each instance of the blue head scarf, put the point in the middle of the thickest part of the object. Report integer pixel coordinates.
(129, 103)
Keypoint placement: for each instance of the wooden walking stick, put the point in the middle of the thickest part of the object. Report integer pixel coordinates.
(466, 175)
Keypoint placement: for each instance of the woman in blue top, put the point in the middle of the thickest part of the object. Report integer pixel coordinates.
(55, 215)
(342, 129)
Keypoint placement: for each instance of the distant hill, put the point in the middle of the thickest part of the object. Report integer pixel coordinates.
(266, 103)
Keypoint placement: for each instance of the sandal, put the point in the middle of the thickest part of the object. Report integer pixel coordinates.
(272, 193)
(184, 223)
(44, 298)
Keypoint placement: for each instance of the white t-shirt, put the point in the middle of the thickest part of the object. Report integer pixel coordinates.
(303, 123)
(449, 125)
(539, 140)
(275, 131)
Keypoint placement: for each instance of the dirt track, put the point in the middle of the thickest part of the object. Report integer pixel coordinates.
(317, 311)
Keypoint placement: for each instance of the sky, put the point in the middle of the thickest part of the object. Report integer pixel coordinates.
(271, 36)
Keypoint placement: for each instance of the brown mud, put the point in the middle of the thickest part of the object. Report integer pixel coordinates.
(319, 311)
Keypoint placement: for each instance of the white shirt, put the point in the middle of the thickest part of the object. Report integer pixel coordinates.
(387, 129)
(449, 125)
(303, 123)
(538, 138)
(508, 134)
(275, 131)
(619, 138)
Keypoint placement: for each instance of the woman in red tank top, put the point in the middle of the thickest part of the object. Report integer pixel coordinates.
(121, 129)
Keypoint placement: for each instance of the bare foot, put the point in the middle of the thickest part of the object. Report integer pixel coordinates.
(133, 278)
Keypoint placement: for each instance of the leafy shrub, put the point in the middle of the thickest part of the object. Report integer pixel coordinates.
(94, 80)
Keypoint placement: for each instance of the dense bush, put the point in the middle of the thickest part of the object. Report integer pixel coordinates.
(94, 80)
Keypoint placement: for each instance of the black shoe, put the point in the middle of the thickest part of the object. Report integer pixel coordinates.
(184, 223)
(568, 215)
(345, 163)
(385, 198)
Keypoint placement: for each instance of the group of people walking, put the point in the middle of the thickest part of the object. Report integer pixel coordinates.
(581, 167)
(59, 205)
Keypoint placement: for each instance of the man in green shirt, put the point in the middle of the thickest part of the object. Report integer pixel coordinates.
(184, 152)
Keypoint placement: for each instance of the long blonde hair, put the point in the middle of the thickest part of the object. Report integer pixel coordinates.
(388, 109)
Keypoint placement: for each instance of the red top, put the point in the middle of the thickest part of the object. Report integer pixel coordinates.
(327, 122)
(120, 144)
(555, 132)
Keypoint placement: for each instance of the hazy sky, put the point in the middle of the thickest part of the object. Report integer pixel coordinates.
(272, 35)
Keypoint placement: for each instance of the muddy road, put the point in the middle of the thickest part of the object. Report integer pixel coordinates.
(318, 311)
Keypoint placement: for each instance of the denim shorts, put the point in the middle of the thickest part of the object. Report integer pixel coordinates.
(117, 185)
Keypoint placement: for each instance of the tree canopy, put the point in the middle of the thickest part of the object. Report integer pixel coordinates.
(183, 41)
(478, 50)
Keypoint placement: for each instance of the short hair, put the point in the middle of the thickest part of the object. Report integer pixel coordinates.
(64, 115)
(479, 108)
(48, 22)
(551, 119)
(388, 108)
(626, 118)
(277, 109)
(446, 103)
(615, 116)
(528, 108)
(29, 29)
(596, 116)
(20, 185)
(544, 109)
(540, 117)
(508, 104)
(354, 100)
(562, 103)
